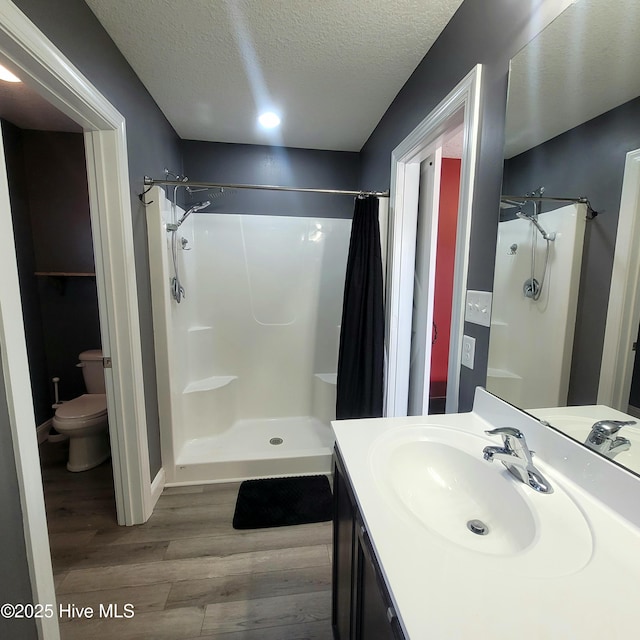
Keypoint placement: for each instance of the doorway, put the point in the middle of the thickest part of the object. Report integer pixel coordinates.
(417, 161)
(52, 229)
(47, 180)
(445, 272)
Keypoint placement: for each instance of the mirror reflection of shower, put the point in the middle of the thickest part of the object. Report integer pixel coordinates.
(532, 287)
(528, 334)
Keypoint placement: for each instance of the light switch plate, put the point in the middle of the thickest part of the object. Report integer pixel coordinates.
(478, 307)
(468, 351)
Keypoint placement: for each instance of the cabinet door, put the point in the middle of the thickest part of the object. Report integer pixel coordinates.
(343, 558)
(376, 618)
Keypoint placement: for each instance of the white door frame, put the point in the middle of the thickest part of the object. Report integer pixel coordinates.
(405, 182)
(425, 265)
(42, 66)
(623, 314)
(17, 383)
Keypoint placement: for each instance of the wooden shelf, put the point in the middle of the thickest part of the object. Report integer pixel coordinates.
(65, 274)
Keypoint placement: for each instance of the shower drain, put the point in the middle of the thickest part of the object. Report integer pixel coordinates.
(276, 441)
(478, 527)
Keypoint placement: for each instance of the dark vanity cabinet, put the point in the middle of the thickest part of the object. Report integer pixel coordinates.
(361, 606)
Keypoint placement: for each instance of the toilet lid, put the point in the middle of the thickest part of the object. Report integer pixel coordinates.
(85, 406)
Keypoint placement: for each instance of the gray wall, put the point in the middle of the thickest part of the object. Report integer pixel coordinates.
(32, 314)
(151, 141)
(255, 164)
(480, 32)
(585, 161)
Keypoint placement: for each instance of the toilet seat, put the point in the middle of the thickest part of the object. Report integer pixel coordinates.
(88, 406)
(84, 419)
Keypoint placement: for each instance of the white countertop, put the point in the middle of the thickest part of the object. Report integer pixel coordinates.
(444, 591)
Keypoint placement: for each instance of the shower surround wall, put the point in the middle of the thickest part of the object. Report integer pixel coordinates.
(532, 341)
(249, 356)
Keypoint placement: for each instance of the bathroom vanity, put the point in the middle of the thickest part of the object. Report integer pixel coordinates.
(433, 541)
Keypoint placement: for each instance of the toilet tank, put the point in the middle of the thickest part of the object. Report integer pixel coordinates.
(92, 370)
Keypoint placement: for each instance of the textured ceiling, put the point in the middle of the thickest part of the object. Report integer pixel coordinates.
(332, 63)
(583, 64)
(331, 68)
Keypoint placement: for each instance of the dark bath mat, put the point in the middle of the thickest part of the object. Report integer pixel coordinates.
(278, 502)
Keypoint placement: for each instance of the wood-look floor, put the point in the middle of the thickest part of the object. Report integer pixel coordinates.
(187, 572)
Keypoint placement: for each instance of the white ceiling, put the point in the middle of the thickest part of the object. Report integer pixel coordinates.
(331, 68)
(583, 64)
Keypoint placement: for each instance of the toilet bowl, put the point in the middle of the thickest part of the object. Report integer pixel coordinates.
(84, 419)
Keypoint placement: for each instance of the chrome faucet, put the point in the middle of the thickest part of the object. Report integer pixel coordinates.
(601, 437)
(517, 458)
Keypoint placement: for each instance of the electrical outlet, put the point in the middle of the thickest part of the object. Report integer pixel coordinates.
(478, 307)
(468, 351)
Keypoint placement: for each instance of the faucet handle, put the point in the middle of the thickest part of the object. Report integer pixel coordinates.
(609, 427)
(513, 440)
(505, 431)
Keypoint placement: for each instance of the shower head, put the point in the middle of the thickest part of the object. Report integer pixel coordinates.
(549, 237)
(195, 207)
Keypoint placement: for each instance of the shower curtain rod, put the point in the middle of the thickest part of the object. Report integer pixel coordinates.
(219, 185)
(591, 212)
(527, 198)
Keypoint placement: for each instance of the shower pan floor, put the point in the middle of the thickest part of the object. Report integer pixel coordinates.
(258, 448)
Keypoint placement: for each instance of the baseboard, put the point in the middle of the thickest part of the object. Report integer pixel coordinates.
(43, 430)
(157, 487)
(633, 411)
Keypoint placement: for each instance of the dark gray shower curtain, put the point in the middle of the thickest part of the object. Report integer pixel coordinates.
(361, 354)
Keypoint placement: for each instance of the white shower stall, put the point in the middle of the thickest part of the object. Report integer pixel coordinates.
(531, 341)
(246, 362)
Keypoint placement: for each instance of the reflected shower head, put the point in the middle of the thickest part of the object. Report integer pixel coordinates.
(195, 207)
(549, 237)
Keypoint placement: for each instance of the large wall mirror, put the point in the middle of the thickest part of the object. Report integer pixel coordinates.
(573, 115)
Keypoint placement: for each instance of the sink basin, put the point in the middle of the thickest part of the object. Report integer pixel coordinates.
(579, 427)
(445, 488)
(436, 480)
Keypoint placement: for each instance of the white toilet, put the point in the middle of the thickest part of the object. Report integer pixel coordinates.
(84, 419)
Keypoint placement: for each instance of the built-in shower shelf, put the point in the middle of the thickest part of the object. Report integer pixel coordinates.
(208, 384)
(502, 373)
(329, 378)
(197, 328)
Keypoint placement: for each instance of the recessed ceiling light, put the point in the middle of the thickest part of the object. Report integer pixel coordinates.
(269, 120)
(7, 76)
